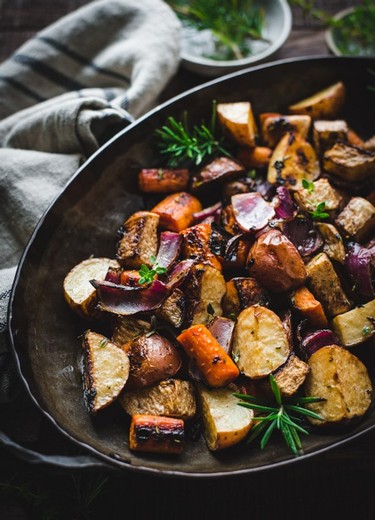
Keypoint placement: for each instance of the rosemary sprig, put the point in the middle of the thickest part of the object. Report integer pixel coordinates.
(147, 274)
(233, 23)
(184, 146)
(284, 416)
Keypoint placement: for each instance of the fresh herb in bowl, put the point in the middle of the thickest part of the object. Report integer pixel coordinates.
(230, 25)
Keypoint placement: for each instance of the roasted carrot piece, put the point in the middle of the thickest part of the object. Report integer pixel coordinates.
(255, 157)
(265, 115)
(157, 434)
(163, 180)
(305, 302)
(354, 139)
(130, 278)
(216, 367)
(176, 211)
(196, 244)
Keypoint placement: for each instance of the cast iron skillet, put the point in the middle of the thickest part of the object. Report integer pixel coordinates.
(83, 221)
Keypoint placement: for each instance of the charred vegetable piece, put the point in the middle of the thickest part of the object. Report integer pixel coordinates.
(139, 242)
(293, 160)
(196, 245)
(157, 434)
(313, 341)
(316, 193)
(176, 211)
(355, 326)
(325, 285)
(348, 162)
(327, 133)
(218, 169)
(275, 262)
(342, 380)
(173, 309)
(161, 180)
(239, 122)
(274, 127)
(204, 289)
(213, 363)
(360, 265)
(325, 104)
(106, 370)
(303, 235)
(251, 211)
(357, 219)
(291, 376)
(126, 328)
(152, 358)
(242, 292)
(169, 249)
(260, 343)
(224, 422)
(333, 244)
(169, 398)
(258, 157)
(78, 291)
(222, 330)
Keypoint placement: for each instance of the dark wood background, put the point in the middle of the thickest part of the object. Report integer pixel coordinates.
(338, 483)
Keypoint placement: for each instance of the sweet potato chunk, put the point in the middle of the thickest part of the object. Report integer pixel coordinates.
(176, 211)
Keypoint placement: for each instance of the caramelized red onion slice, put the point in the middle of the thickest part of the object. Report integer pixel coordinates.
(284, 205)
(222, 330)
(360, 264)
(179, 273)
(313, 341)
(169, 248)
(251, 211)
(210, 212)
(303, 235)
(125, 301)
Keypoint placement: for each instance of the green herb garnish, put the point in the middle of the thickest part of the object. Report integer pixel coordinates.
(103, 342)
(319, 212)
(192, 146)
(367, 330)
(147, 274)
(308, 185)
(282, 416)
(233, 24)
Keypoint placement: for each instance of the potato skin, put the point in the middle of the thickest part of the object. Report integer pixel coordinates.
(152, 359)
(275, 262)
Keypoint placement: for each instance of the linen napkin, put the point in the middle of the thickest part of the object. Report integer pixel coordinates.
(62, 95)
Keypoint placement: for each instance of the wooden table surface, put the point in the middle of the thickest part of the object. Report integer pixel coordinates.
(337, 483)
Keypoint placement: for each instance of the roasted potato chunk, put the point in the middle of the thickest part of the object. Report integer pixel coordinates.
(325, 104)
(170, 398)
(357, 219)
(293, 160)
(224, 422)
(326, 286)
(173, 309)
(139, 241)
(152, 358)
(275, 262)
(327, 133)
(239, 122)
(105, 372)
(291, 376)
(243, 292)
(204, 290)
(78, 291)
(260, 343)
(322, 191)
(340, 378)
(333, 243)
(355, 326)
(275, 126)
(351, 163)
(126, 328)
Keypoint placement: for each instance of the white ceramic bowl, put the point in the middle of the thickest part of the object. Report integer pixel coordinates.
(277, 27)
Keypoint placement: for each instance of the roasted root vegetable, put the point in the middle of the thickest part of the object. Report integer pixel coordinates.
(126, 328)
(152, 358)
(327, 133)
(219, 169)
(257, 157)
(355, 326)
(340, 378)
(291, 376)
(157, 434)
(325, 104)
(309, 307)
(169, 398)
(348, 162)
(333, 243)
(318, 192)
(275, 262)
(357, 219)
(242, 292)
(224, 422)
(139, 241)
(106, 370)
(211, 360)
(260, 343)
(239, 122)
(196, 244)
(173, 308)
(79, 293)
(176, 211)
(293, 160)
(275, 126)
(162, 180)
